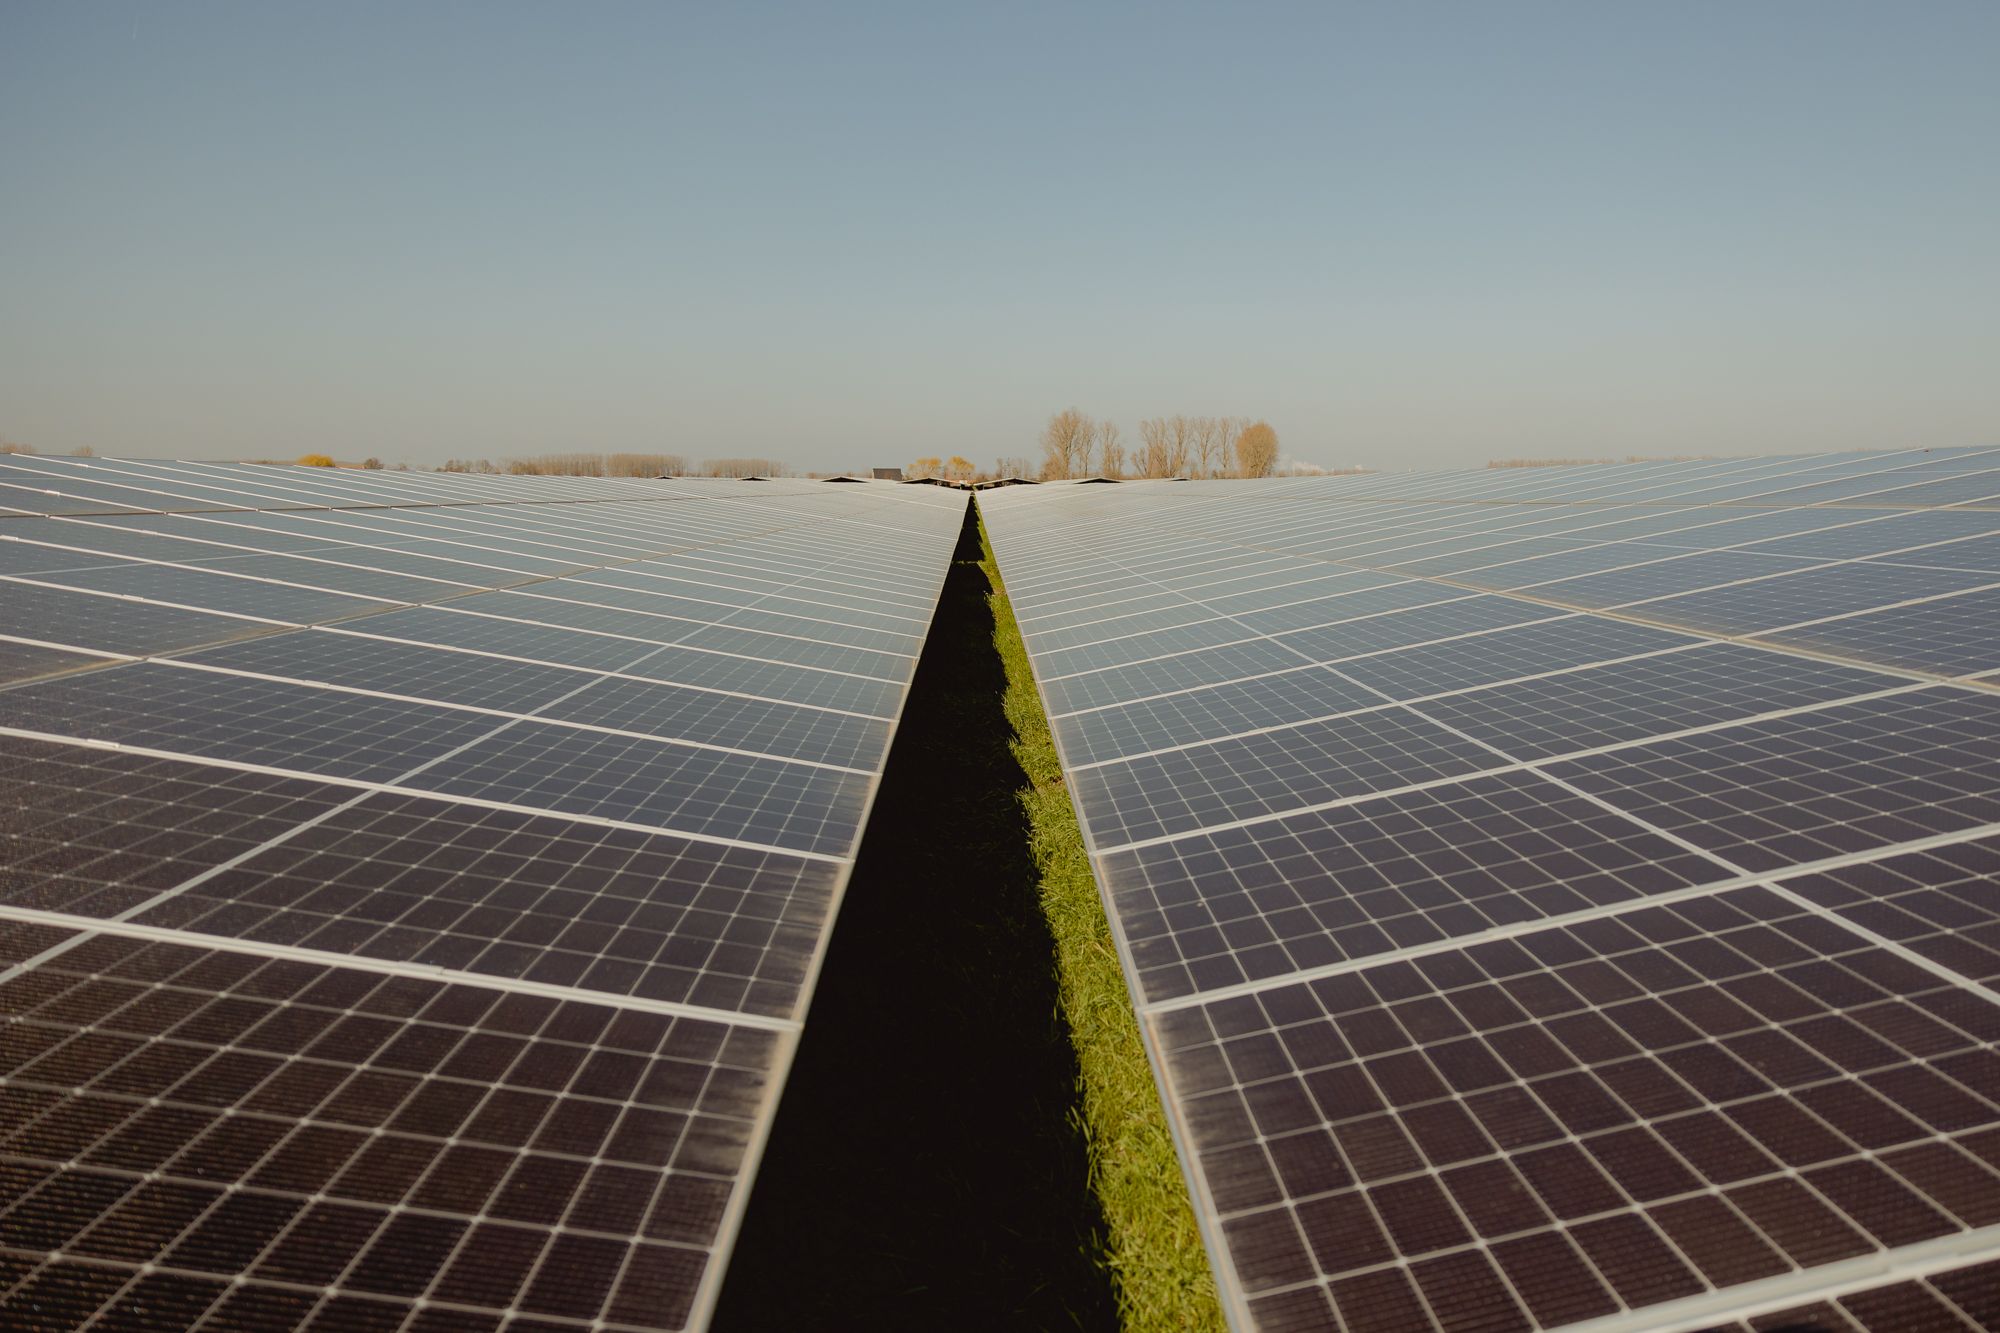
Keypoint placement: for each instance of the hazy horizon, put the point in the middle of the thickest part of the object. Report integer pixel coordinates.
(1423, 236)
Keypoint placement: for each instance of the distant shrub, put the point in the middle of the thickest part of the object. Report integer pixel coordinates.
(596, 465)
(744, 467)
(315, 460)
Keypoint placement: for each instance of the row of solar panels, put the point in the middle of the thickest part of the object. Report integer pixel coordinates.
(1553, 896)
(412, 885)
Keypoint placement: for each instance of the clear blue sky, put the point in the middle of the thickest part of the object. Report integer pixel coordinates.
(1408, 234)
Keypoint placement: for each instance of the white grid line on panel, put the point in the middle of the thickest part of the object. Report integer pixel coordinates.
(1252, 636)
(155, 601)
(243, 550)
(509, 714)
(423, 793)
(465, 589)
(348, 629)
(70, 648)
(1514, 930)
(1981, 1241)
(1511, 764)
(659, 643)
(1388, 703)
(1748, 1300)
(705, 624)
(90, 927)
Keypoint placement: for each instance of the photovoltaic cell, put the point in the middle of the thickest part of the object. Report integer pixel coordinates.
(1980, 553)
(639, 780)
(98, 832)
(205, 715)
(114, 624)
(1298, 695)
(1666, 574)
(1942, 903)
(1402, 629)
(1647, 696)
(1164, 674)
(206, 591)
(24, 661)
(289, 1044)
(1844, 779)
(286, 1141)
(783, 730)
(392, 667)
(1217, 909)
(1553, 1128)
(335, 577)
(866, 695)
(499, 893)
(1680, 1013)
(1953, 636)
(1827, 592)
(508, 638)
(1559, 644)
(1267, 773)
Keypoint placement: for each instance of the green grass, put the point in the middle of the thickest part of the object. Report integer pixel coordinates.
(1152, 1248)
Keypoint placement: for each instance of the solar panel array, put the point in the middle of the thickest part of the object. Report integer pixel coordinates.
(412, 884)
(1553, 896)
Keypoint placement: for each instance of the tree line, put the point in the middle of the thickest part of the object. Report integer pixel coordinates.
(621, 465)
(1076, 445)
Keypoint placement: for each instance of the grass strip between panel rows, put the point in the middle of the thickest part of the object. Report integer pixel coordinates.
(1152, 1247)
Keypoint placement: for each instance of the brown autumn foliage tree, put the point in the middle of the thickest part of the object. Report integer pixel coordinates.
(1257, 450)
(957, 468)
(315, 460)
(923, 467)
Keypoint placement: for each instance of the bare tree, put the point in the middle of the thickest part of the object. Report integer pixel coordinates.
(1180, 445)
(1201, 444)
(1110, 450)
(744, 467)
(1014, 467)
(590, 465)
(1066, 443)
(83, 451)
(1218, 440)
(1152, 458)
(1256, 450)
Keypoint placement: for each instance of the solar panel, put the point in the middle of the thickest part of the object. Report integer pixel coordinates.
(1606, 936)
(412, 885)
